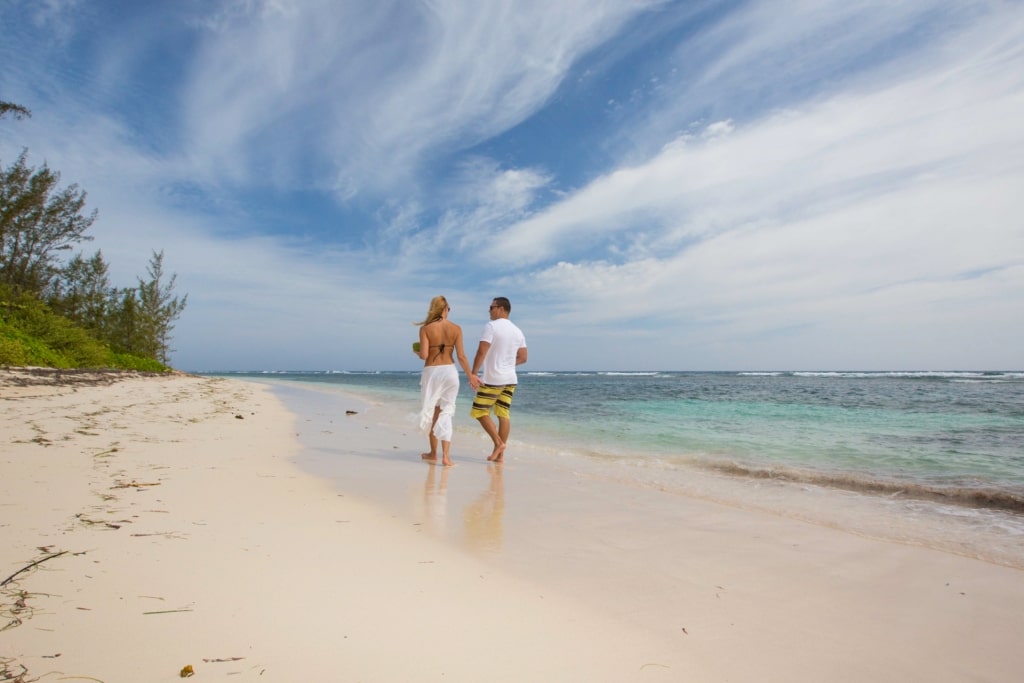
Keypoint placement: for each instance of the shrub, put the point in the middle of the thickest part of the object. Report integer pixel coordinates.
(31, 334)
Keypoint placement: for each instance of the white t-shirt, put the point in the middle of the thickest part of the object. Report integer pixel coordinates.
(505, 339)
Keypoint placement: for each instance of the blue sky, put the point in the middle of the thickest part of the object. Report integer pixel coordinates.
(655, 185)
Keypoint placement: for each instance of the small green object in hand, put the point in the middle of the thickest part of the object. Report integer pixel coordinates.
(416, 347)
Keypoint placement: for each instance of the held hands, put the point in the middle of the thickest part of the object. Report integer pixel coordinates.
(474, 382)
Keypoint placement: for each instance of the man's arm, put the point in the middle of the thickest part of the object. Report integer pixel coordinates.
(521, 355)
(478, 361)
(481, 353)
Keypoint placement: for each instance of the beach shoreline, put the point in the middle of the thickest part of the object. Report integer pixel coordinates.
(205, 524)
(906, 513)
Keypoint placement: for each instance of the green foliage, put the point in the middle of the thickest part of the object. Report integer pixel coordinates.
(127, 361)
(84, 322)
(17, 110)
(158, 308)
(82, 293)
(32, 334)
(37, 222)
(15, 347)
(64, 313)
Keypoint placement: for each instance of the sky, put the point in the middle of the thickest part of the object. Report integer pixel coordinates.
(654, 184)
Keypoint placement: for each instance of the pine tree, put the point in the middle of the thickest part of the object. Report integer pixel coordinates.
(19, 111)
(83, 293)
(158, 309)
(37, 221)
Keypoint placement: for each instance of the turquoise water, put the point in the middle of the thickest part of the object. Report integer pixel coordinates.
(956, 437)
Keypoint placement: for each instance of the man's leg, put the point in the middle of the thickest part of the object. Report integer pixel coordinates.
(483, 403)
(503, 430)
(502, 405)
(499, 445)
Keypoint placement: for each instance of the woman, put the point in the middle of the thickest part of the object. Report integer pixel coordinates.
(440, 342)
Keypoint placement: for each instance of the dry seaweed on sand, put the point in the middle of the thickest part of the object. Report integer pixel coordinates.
(30, 566)
(9, 676)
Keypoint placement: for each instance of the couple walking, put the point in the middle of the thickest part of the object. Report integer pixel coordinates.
(502, 347)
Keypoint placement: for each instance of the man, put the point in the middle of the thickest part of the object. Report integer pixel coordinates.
(502, 348)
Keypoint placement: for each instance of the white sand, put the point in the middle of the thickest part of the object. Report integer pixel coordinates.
(191, 538)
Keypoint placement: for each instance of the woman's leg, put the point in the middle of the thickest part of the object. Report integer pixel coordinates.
(432, 455)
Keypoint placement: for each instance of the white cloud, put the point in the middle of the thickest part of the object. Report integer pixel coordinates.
(367, 90)
(718, 129)
(881, 218)
(955, 122)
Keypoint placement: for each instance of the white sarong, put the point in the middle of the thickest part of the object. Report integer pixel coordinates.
(439, 386)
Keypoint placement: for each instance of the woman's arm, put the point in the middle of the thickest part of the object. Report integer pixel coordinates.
(424, 344)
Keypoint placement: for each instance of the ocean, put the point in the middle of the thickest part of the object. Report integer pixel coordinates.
(934, 458)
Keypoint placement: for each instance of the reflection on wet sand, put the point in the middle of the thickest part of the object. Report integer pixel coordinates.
(435, 499)
(483, 516)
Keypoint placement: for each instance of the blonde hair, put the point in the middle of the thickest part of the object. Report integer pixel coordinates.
(438, 305)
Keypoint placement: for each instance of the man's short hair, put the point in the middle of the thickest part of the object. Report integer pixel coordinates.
(503, 303)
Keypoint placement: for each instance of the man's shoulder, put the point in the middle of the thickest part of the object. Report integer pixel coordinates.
(509, 328)
(504, 323)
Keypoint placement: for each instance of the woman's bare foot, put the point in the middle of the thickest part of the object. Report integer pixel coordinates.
(429, 457)
(498, 454)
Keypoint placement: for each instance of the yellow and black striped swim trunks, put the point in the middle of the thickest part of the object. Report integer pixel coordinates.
(489, 395)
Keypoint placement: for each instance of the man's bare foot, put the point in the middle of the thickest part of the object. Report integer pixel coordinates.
(429, 457)
(497, 454)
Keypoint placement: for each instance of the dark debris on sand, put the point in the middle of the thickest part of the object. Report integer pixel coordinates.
(34, 377)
